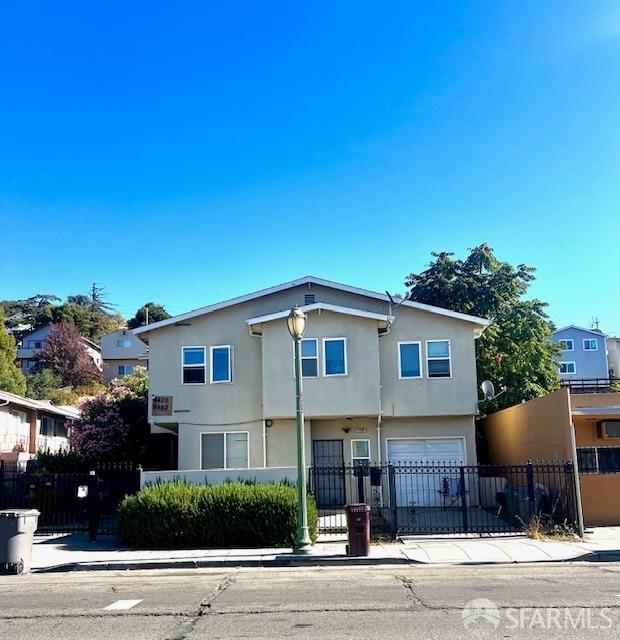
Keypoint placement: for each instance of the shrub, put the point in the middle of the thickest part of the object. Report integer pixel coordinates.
(179, 515)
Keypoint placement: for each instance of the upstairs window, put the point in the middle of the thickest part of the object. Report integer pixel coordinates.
(335, 356)
(124, 343)
(590, 344)
(567, 344)
(221, 364)
(567, 368)
(438, 359)
(194, 366)
(309, 358)
(409, 361)
(35, 344)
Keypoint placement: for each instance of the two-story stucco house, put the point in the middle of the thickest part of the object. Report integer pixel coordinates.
(121, 352)
(584, 354)
(381, 383)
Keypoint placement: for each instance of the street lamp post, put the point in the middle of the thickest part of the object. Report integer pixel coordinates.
(296, 323)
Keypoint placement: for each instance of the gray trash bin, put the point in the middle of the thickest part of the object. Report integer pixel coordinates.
(17, 527)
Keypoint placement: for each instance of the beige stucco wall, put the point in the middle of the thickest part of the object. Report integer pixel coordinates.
(110, 367)
(354, 394)
(538, 429)
(435, 396)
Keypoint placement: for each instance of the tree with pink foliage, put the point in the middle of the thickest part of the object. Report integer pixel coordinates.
(64, 352)
(113, 427)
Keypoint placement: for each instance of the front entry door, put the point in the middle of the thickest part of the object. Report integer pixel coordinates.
(328, 462)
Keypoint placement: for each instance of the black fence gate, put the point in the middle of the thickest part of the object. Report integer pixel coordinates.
(69, 502)
(447, 498)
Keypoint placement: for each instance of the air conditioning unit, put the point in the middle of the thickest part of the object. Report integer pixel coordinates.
(609, 429)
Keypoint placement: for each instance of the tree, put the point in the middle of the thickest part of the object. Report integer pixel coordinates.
(516, 350)
(43, 384)
(156, 312)
(65, 354)
(11, 377)
(23, 312)
(90, 322)
(113, 427)
(137, 382)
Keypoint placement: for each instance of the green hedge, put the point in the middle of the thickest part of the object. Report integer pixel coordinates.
(176, 515)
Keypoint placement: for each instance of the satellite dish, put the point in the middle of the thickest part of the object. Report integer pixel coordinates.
(488, 390)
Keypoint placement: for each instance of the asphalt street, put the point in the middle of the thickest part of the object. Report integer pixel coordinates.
(509, 601)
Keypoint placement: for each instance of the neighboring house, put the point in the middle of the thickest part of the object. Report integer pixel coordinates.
(583, 428)
(381, 383)
(32, 343)
(28, 426)
(121, 351)
(584, 354)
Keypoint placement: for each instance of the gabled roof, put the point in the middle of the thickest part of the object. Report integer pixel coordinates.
(360, 313)
(39, 405)
(600, 334)
(481, 322)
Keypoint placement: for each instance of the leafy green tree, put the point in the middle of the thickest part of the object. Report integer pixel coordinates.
(23, 312)
(137, 382)
(11, 377)
(90, 322)
(43, 384)
(516, 351)
(156, 312)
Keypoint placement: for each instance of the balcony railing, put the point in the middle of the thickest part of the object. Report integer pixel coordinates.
(592, 385)
(17, 443)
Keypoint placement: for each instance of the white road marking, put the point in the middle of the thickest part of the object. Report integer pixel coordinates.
(122, 604)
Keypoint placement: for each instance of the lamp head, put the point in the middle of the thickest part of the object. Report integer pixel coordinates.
(296, 323)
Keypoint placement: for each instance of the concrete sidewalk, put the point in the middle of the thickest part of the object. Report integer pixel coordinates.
(75, 552)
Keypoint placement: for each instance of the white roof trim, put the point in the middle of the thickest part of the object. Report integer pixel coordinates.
(40, 405)
(360, 313)
(595, 411)
(600, 334)
(482, 322)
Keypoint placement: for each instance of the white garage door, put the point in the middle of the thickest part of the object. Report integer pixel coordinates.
(415, 487)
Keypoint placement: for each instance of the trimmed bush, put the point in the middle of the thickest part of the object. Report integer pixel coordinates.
(176, 515)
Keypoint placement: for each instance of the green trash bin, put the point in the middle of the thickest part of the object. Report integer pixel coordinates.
(17, 527)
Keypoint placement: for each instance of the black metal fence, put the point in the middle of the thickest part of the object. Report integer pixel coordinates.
(69, 502)
(592, 385)
(446, 498)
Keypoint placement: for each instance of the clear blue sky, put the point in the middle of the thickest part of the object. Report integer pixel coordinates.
(189, 152)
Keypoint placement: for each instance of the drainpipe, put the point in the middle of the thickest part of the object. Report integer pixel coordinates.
(573, 445)
(379, 440)
(264, 444)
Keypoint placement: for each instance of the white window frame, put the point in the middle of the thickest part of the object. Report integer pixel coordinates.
(583, 344)
(400, 369)
(302, 358)
(567, 373)
(448, 358)
(346, 364)
(193, 366)
(223, 433)
(124, 369)
(230, 363)
(364, 458)
(564, 346)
